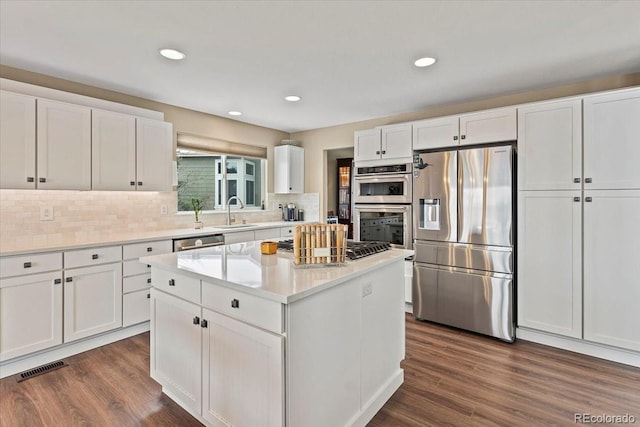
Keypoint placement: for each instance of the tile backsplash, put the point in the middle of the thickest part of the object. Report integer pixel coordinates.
(89, 216)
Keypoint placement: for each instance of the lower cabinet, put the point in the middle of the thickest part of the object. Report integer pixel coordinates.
(92, 300)
(226, 371)
(30, 314)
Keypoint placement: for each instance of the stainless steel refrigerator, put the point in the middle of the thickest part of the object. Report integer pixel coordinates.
(463, 273)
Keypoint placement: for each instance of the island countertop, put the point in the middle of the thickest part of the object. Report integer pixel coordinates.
(241, 266)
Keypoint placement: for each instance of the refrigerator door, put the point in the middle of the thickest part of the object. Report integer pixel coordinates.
(485, 180)
(435, 196)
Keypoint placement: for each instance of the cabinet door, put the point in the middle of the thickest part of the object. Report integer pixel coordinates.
(243, 372)
(488, 126)
(135, 307)
(611, 268)
(267, 233)
(549, 261)
(176, 354)
(64, 146)
(92, 300)
(550, 146)
(612, 141)
(17, 140)
(113, 151)
(30, 314)
(367, 144)
(435, 133)
(396, 141)
(289, 169)
(154, 155)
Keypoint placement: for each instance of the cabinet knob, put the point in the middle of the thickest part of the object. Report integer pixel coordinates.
(30, 179)
(377, 152)
(384, 151)
(588, 199)
(204, 323)
(235, 303)
(148, 296)
(139, 183)
(132, 183)
(576, 180)
(290, 188)
(463, 136)
(42, 179)
(149, 249)
(576, 199)
(68, 279)
(196, 320)
(149, 280)
(94, 256)
(57, 281)
(172, 282)
(27, 264)
(588, 180)
(455, 137)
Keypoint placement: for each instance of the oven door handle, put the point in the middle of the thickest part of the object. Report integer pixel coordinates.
(383, 208)
(206, 245)
(383, 177)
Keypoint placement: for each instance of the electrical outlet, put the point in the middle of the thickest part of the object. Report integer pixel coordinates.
(46, 213)
(164, 209)
(367, 290)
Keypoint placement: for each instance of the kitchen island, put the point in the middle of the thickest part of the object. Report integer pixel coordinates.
(244, 339)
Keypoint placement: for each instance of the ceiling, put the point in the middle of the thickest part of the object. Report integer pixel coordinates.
(348, 60)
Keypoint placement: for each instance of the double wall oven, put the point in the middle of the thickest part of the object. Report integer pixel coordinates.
(382, 209)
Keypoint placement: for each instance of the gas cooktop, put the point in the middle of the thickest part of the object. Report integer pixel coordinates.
(355, 250)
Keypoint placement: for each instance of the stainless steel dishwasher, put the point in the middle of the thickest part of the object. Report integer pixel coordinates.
(198, 242)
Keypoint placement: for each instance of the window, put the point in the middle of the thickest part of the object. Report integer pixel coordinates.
(214, 178)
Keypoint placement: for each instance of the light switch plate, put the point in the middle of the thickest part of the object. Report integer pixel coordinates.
(164, 210)
(46, 213)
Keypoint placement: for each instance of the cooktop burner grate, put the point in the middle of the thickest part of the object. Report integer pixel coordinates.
(355, 250)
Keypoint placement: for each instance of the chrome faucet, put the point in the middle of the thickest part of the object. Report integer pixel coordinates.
(229, 208)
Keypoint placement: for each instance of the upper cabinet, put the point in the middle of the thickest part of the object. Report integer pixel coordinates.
(550, 146)
(384, 143)
(288, 169)
(17, 140)
(47, 144)
(475, 128)
(64, 146)
(611, 140)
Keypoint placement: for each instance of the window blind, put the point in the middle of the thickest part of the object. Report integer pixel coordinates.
(218, 146)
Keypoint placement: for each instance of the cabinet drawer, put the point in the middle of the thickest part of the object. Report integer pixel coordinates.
(136, 250)
(286, 232)
(176, 284)
(136, 283)
(136, 307)
(133, 266)
(269, 233)
(92, 256)
(30, 264)
(239, 237)
(257, 311)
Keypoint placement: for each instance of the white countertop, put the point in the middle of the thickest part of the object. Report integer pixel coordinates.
(136, 237)
(241, 266)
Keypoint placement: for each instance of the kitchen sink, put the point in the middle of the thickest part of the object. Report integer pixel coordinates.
(234, 226)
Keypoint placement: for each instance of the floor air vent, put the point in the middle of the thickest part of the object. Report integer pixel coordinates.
(41, 370)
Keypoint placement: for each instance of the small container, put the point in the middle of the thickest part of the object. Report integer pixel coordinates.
(268, 248)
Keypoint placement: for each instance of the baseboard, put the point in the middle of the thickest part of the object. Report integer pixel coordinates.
(601, 351)
(372, 407)
(408, 307)
(30, 361)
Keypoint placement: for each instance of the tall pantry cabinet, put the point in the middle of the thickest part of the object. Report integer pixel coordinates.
(578, 232)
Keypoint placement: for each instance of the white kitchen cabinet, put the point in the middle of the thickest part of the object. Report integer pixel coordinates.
(17, 141)
(288, 161)
(176, 344)
(154, 155)
(611, 268)
(63, 146)
(389, 143)
(488, 126)
(436, 133)
(113, 151)
(243, 373)
(266, 233)
(550, 146)
(239, 237)
(92, 300)
(30, 313)
(612, 140)
(287, 231)
(550, 261)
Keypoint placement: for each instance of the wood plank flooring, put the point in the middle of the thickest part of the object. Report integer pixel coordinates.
(451, 378)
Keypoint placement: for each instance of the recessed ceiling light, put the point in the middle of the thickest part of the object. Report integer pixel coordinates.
(424, 62)
(235, 113)
(292, 98)
(172, 54)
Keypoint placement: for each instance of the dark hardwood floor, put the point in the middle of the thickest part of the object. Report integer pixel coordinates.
(451, 378)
